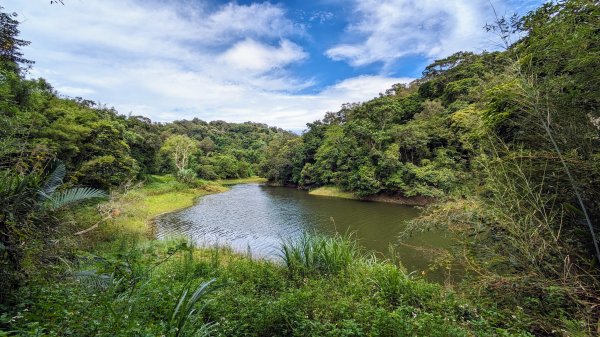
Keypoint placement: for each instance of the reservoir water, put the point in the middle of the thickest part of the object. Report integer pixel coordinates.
(255, 218)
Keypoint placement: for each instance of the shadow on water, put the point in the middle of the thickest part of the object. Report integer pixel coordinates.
(258, 217)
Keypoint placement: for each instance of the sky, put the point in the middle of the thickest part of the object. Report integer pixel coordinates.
(281, 63)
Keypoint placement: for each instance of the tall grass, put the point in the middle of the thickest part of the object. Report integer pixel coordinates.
(183, 322)
(319, 254)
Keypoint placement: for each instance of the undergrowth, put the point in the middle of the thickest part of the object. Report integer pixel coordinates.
(116, 281)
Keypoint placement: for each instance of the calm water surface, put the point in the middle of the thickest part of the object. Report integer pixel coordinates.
(256, 218)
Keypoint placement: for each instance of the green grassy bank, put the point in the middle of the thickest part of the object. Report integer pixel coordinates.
(332, 191)
(337, 192)
(115, 280)
(249, 180)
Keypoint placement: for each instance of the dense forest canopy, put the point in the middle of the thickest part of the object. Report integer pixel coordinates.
(402, 139)
(102, 148)
(507, 143)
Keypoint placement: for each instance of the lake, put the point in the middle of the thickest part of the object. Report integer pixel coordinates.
(255, 218)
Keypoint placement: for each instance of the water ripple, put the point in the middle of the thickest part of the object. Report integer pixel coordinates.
(258, 217)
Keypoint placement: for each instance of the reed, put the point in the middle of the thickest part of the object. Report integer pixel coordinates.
(319, 254)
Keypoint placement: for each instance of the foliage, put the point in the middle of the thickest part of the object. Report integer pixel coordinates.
(279, 162)
(186, 176)
(28, 205)
(11, 55)
(185, 310)
(319, 254)
(531, 225)
(407, 141)
(180, 149)
(224, 150)
(17, 195)
(259, 299)
(71, 196)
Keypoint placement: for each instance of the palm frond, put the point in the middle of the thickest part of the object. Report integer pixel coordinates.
(73, 195)
(55, 179)
(92, 280)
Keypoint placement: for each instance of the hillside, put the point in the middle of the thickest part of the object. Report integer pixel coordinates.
(503, 147)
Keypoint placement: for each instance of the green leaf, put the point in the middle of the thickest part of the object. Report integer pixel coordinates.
(73, 195)
(55, 179)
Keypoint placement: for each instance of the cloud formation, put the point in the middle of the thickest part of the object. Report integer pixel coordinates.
(387, 30)
(257, 57)
(181, 59)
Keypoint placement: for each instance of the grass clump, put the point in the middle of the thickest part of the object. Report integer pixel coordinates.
(185, 310)
(319, 254)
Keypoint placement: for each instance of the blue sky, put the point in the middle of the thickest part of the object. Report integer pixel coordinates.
(282, 63)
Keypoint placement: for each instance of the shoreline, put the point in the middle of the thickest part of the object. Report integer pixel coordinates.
(213, 187)
(336, 192)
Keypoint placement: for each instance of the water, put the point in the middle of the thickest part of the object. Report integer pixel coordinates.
(256, 218)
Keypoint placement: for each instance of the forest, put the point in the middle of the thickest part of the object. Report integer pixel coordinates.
(504, 146)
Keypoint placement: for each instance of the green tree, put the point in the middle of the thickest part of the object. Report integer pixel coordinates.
(11, 56)
(180, 148)
(143, 138)
(207, 145)
(279, 163)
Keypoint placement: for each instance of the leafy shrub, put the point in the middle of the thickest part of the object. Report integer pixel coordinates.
(106, 171)
(187, 176)
(207, 172)
(28, 205)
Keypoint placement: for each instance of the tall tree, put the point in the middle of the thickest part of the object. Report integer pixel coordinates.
(11, 56)
(180, 148)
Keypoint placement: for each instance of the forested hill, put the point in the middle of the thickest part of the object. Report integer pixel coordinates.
(102, 148)
(507, 143)
(430, 137)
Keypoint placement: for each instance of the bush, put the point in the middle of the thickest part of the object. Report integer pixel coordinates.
(207, 172)
(187, 176)
(106, 171)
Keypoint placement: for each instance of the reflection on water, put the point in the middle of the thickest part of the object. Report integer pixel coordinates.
(256, 218)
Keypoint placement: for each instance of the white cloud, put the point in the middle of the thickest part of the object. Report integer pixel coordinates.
(166, 63)
(254, 20)
(240, 103)
(390, 29)
(255, 56)
(74, 92)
